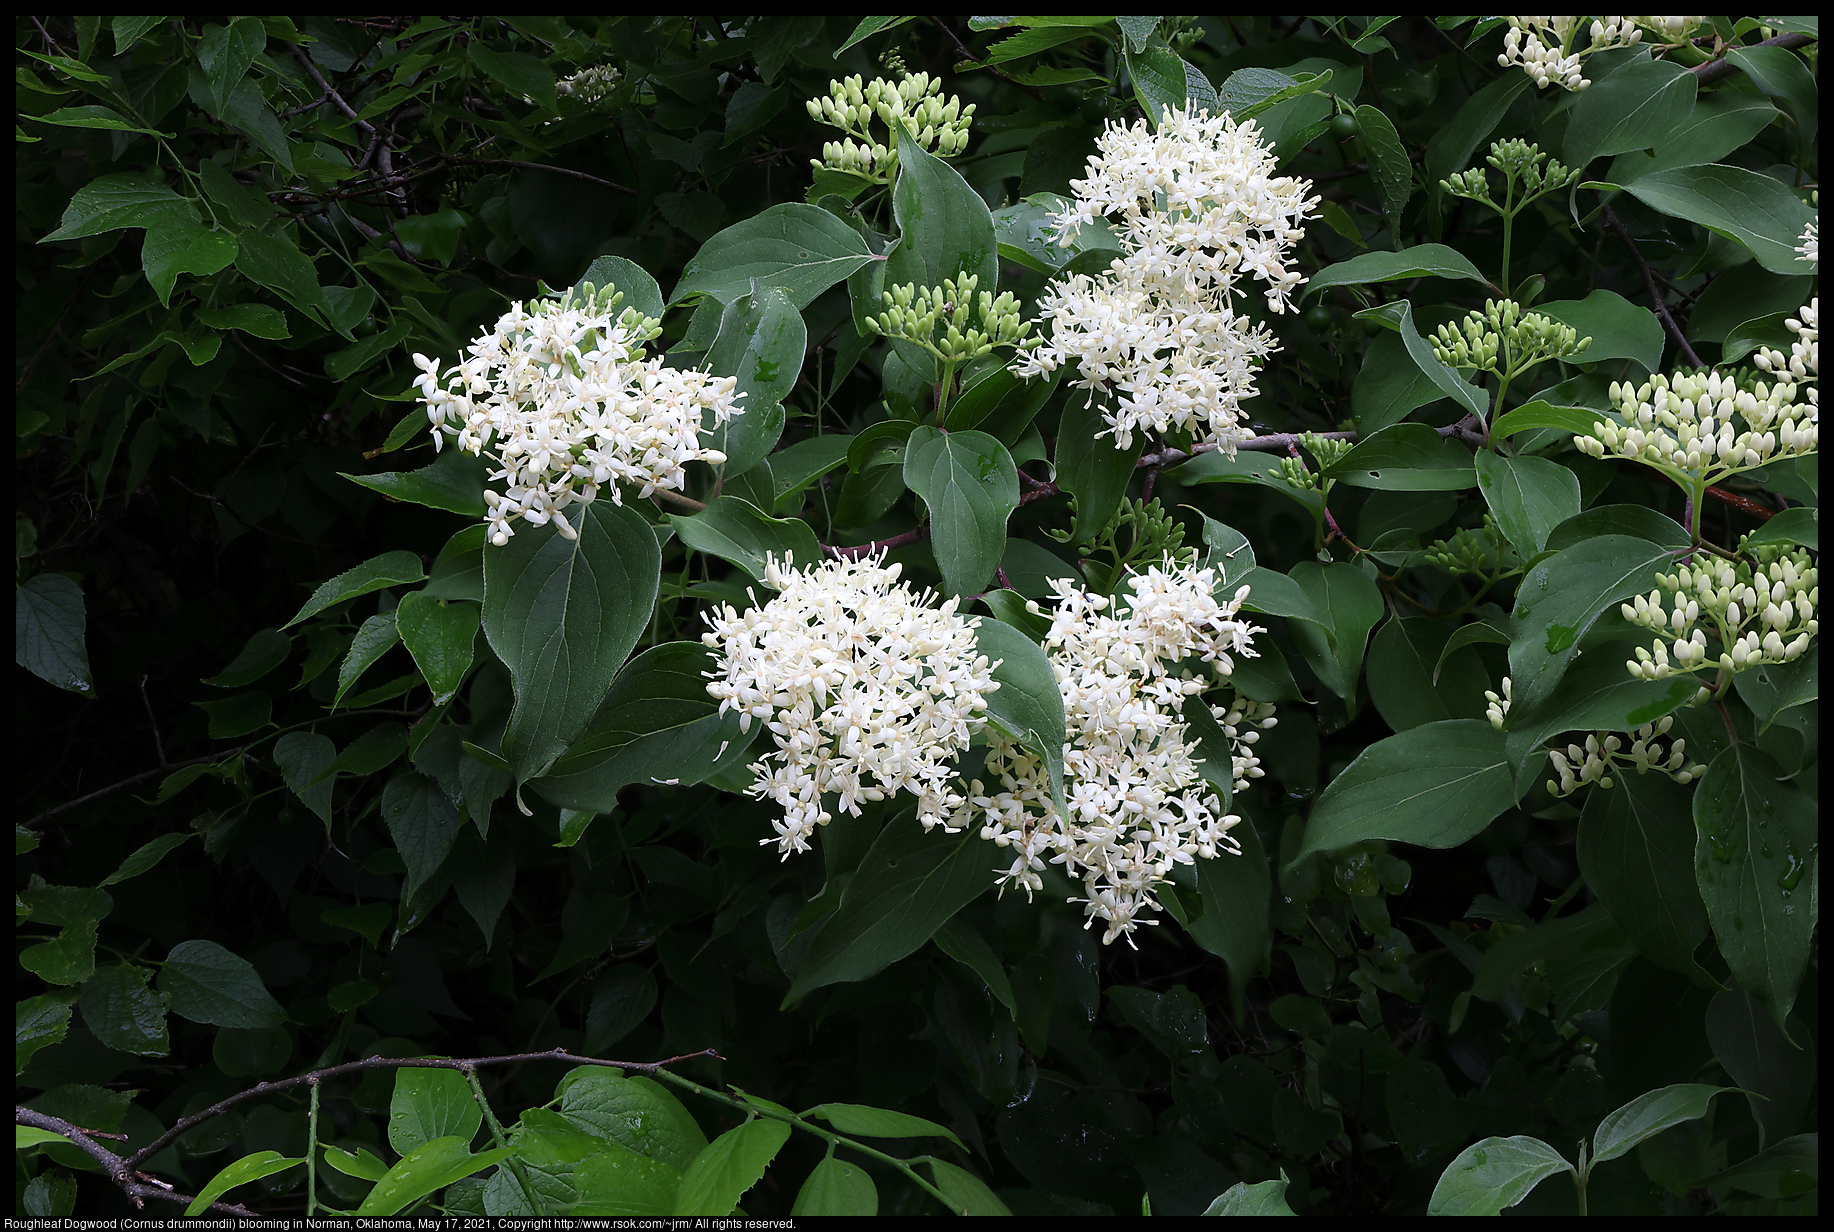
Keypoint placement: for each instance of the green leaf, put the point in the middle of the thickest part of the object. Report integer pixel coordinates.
(1560, 598)
(1529, 496)
(761, 342)
(225, 53)
(637, 1113)
(1414, 679)
(1780, 73)
(1800, 525)
(946, 227)
(795, 467)
(1637, 107)
(868, 27)
(1237, 891)
(440, 637)
(342, 365)
(259, 320)
(966, 1192)
(1161, 80)
(1348, 604)
(1261, 1198)
(432, 1165)
(375, 638)
(48, 631)
(1426, 1116)
(1786, 1169)
(454, 482)
(862, 1121)
(1601, 700)
(144, 857)
(1618, 328)
(130, 30)
(1578, 420)
(1648, 1115)
(521, 74)
(1405, 457)
(39, 1022)
(429, 1104)
(422, 823)
(126, 199)
(1389, 164)
(908, 885)
(204, 982)
(1028, 705)
(731, 1164)
(69, 958)
(837, 1187)
(639, 288)
(657, 722)
(562, 615)
(1452, 144)
(1420, 261)
(304, 758)
(615, 1180)
(623, 998)
(1755, 863)
(971, 486)
(803, 249)
(263, 652)
(1389, 386)
(122, 1013)
(1493, 1174)
(1776, 1071)
(967, 947)
(175, 247)
(362, 1165)
(1434, 786)
(1090, 467)
(1399, 317)
(249, 1167)
(1771, 688)
(366, 921)
(735, 530)
(276, 262)
(1721, 122)
(376, 573)
(1638, 521)
(1757, 211)
(29, 1136)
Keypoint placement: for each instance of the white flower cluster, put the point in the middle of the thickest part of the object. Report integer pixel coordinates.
(1804, 359)
(1777, 598)
(559, 394)
(867, 690)
(1702, 427)
(1138, 803)
(1810, 247)
(1543, 46)
(1195, 206)
(914, 102)
(590, 85)
(1593, 762)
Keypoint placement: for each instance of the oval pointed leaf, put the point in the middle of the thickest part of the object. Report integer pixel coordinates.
(946, 226)
(1560, 598)
(432, 1165)
(837, 1187)
(1241, 1198)
(440, 636)
(971, 486)
(1648, 1115)
(761, 343)
(1757, 211)
(1530, 497)
(731, 1164)
(429, 1104)
(736, 530)
(241, 1172)
(388, 569)
(1434, 786)
(865, 1122)
(803, 249)
(1420, 261)
(1637, 107)
(1493, 1174)
(204, 982)
(563, 614)
(1028, 706)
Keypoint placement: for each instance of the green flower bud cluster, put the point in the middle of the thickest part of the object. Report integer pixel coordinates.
(1480, 551)
(1505, 340)
(1326, 450)
(1593, 762)
(914, 103)
(1153, 535)
(954, 322)
(1761, 610)
(596, 300)
(1520, 163)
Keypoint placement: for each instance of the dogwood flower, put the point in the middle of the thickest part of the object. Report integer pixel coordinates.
(1138, 801)
(866, 690)
(560, 395)
(1196, 208)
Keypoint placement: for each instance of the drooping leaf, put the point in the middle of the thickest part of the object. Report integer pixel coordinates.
(969, 483)
(241, 1172)
(430, 1166)
(48, 631)
(946, 227)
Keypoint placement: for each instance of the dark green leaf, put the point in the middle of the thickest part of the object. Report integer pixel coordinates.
(1237, 890)
(1389, 164)
(1434, 786)
(388, 569)
(48, 631)
(177, 247)
(1800, 525)
(1648, 1115)
(522, 75)
(803, 249)
(1529, 496)
(1761, 213)
(1405, 457)
(422, 823)
(1618, 328)
(862, 1121)
(1427, 1118)
(837, 1187)
(1539, 414)
(1414, 680)
(1389, 387)
(1399, 317)
(123, 1013)
(1777, 1071)
(1636, 107)
(1090, 467)
(735, 530)
(1780, 73)
(237, 716)
(1559, 599)
(453, 482)
(1261, 1198)
(276, 262)
(1755, 863)
(126, 199)
(563, 614)
(39, 1022)
(761, 342)
(966, 1192)
(1453, 144)
(204, 982)
(1348, 604)
(429, 1104)
(971, 486)
(1028, 706)
(1639, 521)
(946, 227)
(144, 857)
(1420, 261)
(440, 637)
(264, 652)
(375, 638)
(1721, 122)
(432, 1165)
(966, 946)
(638, 287)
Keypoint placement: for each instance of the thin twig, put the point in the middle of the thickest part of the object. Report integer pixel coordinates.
(120, 1171)
(995, 69)
(1649, 280)
(517, 162)
(676, 498)
(1713, 70)
(154, 773)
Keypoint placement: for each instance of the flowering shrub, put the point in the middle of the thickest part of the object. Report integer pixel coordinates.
(571, 570)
